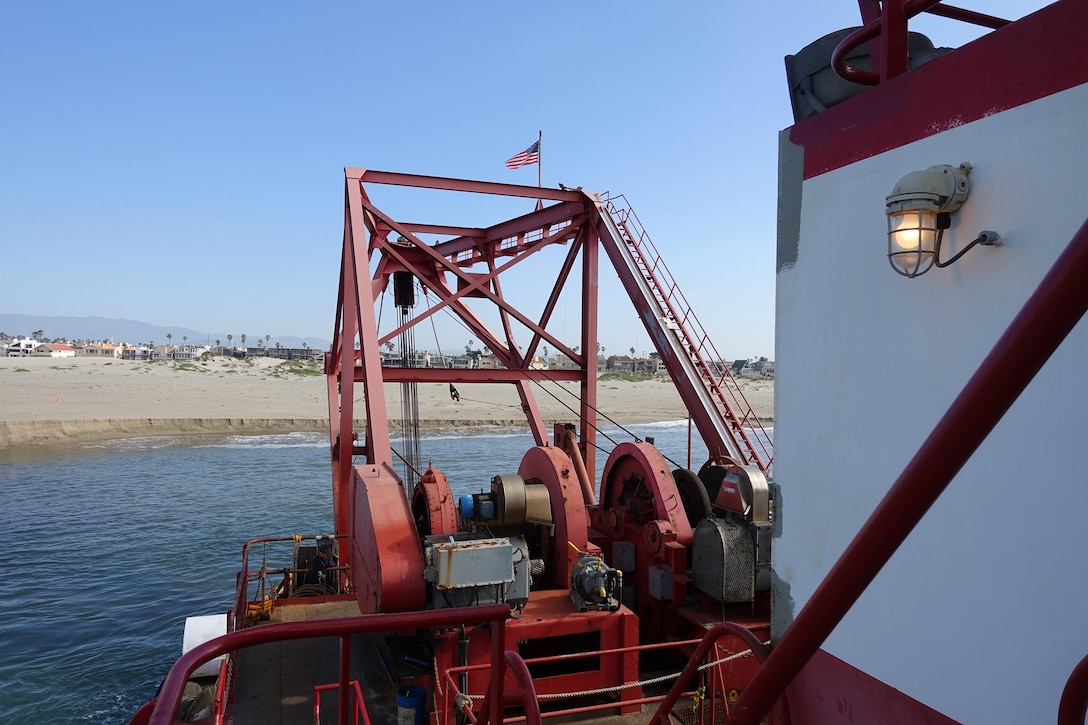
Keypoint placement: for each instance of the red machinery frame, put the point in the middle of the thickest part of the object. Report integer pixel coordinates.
(376, 246)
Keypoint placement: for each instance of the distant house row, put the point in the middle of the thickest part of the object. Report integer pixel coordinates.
(26, 347)
(652, 365)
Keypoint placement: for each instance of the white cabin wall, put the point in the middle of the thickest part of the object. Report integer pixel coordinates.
(979, 614)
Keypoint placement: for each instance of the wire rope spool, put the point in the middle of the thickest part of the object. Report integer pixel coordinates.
(433, 507)
(638, 479)
(693, 494)
(551, 467)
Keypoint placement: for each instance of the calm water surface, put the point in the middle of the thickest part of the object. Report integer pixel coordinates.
(110, 546)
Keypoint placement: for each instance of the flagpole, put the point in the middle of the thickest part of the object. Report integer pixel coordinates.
(539, 165)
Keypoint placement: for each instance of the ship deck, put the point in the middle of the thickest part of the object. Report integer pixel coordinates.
(276, 681)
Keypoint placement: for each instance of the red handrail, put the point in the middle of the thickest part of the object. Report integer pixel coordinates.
(166, 704)
(360, 703)
(1048, 316)
(905, 11)
(722, 629)
(241, 598)
(524, 695)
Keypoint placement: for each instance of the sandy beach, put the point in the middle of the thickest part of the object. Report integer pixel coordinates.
(54, 400)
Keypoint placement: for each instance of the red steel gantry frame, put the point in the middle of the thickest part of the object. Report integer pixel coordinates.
(376, 246)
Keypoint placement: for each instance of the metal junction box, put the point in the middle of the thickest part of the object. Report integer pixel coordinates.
(466, 571)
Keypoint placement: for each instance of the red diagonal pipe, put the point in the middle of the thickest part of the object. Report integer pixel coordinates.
(1074, 703)
(1047, 318)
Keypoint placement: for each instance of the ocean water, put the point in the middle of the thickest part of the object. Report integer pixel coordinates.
(110, 546)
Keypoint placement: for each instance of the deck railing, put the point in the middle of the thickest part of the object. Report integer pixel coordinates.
(357, 712)
(682, 686)
(245, 576)
(169, 697)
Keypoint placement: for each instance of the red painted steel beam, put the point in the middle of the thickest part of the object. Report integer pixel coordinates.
(170, 693)
(532, 222)
(377, 421)
(1046, 319)
(967, 16)
(473, 375)
(442, 262)
(495, 237)
(452, 299)
(553, 300)
(591, 254)
(471, 233)
(893, 40)
(392, 178)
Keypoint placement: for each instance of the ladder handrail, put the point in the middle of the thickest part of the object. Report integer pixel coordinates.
(714, 374)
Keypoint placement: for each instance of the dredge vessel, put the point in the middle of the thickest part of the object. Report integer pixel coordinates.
(931, 257)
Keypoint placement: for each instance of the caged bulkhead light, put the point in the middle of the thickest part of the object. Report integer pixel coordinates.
(919, 209)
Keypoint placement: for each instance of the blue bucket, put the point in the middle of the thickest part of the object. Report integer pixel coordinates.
(411, 701)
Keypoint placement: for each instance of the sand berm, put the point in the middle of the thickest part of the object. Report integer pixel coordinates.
(58, 400)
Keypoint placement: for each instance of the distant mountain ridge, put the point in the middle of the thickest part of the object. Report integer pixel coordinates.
(132, 331)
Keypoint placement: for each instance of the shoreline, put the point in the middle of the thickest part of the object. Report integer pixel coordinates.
(56, 432)
(53, 401)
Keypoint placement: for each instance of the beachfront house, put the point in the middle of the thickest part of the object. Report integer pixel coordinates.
(190, 352)
(99, 350)
(21, 347)
(53, 349)
(763, 367)
(303, 353)
(621, 364)
(562, 362)
(742, 367)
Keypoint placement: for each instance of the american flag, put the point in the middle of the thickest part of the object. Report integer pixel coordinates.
(530, 155)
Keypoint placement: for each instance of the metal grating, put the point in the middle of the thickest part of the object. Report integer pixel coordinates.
(724, 560)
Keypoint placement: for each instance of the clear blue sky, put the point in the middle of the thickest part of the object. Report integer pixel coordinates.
(181, 164)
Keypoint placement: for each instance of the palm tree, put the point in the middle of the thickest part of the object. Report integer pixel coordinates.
(218, 342)
(267, 338)
(243, 339)
(632, 352)
(169, 337)
(185, 339)
(229, 340)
